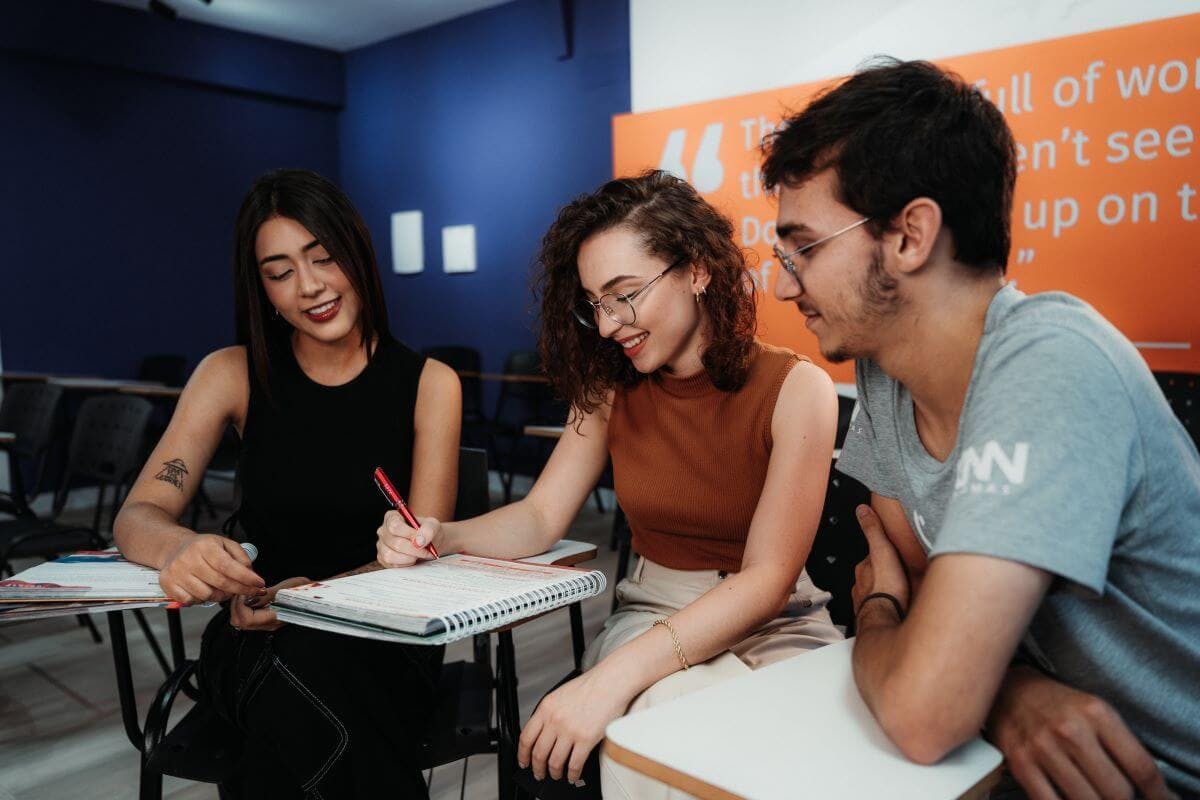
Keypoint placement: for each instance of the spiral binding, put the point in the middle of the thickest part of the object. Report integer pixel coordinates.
(462, 624)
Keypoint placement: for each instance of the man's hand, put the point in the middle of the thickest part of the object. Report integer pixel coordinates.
(1063, 743)
(882, 570)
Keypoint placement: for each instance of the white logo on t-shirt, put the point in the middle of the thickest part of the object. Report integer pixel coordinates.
(919, 528)
(974, 472)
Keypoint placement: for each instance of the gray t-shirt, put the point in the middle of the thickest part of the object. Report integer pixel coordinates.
(1068, 459)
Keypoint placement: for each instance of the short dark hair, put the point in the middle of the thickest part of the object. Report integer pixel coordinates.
(325, 210)
(676, 224)
(898, 130)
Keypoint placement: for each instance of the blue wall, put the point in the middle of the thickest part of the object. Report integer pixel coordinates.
(476, 121)
(129, 142)
(123, 167)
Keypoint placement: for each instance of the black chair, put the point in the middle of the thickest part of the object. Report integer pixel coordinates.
(464, 359)
(839, 546)
(169, 370)
(203, 746)
(104, 451)
(1182, 390)
(31, 411)
(521, 403)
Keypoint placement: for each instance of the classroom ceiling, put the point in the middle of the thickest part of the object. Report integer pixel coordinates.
(332, 24)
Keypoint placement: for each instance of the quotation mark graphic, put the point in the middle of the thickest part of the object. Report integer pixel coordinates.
(707, 170)
(1024, 255)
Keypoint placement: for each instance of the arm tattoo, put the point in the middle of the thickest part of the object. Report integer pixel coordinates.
(173, 472)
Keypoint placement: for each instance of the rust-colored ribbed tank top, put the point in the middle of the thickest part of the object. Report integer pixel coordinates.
(689, 461)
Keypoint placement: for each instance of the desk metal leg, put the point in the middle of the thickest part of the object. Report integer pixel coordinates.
(577, 642)
(178, 651)
(152, 640)
(85, 620)
(150, 786)
(509, 716)
(120, 649)
(175, 628)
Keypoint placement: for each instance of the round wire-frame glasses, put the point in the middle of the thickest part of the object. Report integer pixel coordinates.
(616, 306)
(786, 258)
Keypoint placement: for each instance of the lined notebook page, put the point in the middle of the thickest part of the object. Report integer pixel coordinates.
(447, 594)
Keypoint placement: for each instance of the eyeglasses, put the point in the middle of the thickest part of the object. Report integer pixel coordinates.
(786, 259)
(617, 307)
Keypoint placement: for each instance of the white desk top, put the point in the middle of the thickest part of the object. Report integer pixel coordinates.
(567, 552)
(847, 390)
(795, 729)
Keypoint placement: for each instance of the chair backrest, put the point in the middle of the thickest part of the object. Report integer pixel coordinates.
(845, 412)
(839, 545)
(170, 370)
(456, 356)
(106, 443)
(30, 410)
(463, 359)
(527, 403)
(1182, 390)
(473, 498)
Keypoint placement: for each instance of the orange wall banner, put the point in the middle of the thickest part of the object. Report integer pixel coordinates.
(1106, 206)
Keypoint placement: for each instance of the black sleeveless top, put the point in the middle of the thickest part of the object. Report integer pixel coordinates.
(309, 502)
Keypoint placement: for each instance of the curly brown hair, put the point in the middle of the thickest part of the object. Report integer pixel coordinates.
(675, 223)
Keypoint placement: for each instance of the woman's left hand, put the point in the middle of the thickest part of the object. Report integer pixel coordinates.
(259, 616)
(567, 724)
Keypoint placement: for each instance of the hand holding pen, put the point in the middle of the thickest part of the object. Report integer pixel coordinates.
(398, 545)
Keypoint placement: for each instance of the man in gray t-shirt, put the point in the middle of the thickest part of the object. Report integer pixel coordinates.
(1068, 459)
(1034, 528)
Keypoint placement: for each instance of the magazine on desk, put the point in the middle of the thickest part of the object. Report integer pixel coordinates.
(90, 575)
(438, 601)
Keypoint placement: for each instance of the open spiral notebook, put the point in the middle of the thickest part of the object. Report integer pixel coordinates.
(436, 601)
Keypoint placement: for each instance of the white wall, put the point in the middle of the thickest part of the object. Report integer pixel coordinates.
(689, 51)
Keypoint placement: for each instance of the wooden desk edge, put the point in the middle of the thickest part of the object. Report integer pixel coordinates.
(575, 558)
(152, 391)
(665, 774)
(706, 791)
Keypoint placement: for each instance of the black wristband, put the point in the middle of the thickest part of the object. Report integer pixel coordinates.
(883, 596)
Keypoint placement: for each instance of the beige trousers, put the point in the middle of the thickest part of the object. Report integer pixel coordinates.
(653, 592)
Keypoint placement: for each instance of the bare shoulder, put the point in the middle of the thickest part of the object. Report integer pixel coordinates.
(221, 382)
(439, 379)
(807, 386)
(228, 363)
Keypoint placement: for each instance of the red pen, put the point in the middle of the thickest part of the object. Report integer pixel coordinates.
(389, 491)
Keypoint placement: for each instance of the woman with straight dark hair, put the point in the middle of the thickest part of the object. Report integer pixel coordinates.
(321, 394)
(720, 446)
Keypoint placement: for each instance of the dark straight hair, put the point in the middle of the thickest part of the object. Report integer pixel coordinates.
(327, 213)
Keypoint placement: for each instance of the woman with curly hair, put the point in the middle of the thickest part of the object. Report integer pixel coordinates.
(720, 445)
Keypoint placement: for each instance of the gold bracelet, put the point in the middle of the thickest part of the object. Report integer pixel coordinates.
(666, 623)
